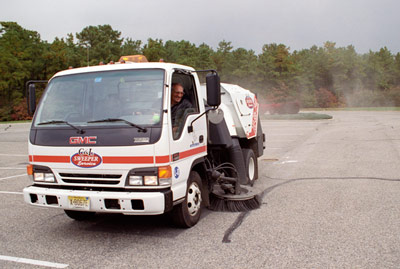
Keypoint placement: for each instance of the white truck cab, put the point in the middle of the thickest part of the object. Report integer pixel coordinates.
(103, 140)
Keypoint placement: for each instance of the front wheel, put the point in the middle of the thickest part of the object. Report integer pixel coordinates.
(79, 215)
(187, 213)
(250, 161)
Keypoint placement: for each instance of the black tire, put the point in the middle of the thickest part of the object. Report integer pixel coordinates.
(187, 213)
(79, 215)
(250, 161)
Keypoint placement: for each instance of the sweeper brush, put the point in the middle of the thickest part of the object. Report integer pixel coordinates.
(228, 194)
(245, 201)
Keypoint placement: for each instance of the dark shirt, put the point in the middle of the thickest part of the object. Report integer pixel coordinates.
(178, 110)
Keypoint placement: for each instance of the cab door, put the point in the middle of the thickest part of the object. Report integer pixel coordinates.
(186, 146)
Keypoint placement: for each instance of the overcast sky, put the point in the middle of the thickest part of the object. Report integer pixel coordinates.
(365, 24)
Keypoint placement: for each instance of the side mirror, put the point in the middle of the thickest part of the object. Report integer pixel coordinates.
(213, 89)
(32, 98)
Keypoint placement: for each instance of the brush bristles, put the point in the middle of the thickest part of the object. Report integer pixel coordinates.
(223, 204)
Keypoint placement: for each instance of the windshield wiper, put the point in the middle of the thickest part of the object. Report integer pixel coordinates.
(80, 131)
(116, 120)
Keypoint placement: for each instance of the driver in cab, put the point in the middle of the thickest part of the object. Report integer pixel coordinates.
(178, 106)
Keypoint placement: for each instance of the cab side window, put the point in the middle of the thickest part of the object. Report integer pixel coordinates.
(183, 101)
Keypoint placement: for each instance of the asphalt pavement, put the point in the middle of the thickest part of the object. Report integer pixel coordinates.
(330, 199)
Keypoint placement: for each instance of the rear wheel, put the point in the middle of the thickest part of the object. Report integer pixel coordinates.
(187, 213)
(79, 215)
(250, 161)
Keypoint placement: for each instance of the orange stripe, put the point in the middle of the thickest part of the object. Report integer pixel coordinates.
(188, 153)
(120, 159)
(162, 159)
(51, 159)
(125, 159)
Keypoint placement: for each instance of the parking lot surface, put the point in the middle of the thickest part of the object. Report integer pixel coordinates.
(330, 198)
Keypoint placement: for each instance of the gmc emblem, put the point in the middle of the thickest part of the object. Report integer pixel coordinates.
(76, 140)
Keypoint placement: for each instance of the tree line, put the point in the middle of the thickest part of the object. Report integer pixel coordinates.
(325, 76)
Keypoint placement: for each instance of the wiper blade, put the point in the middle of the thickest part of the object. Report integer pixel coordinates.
(80, 131)
(116, 120)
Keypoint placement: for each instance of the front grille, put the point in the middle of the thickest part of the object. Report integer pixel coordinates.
(96, 179)
(89, 175)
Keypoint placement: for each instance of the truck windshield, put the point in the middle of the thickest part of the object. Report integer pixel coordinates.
(130, 95)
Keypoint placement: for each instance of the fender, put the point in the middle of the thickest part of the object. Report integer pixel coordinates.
(200, 167)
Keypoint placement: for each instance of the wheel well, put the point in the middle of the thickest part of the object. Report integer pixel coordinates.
(200, 167)
(249, 144)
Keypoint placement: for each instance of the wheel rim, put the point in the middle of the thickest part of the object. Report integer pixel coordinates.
(252, 169)
(194, 199)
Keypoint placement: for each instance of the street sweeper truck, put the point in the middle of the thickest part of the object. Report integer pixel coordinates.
(143, 138)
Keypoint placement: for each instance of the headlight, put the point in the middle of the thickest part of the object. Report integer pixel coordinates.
(150, 180)
(136, 180)
(152, 176)
(143, 180)
(43, 177)
(40, 173)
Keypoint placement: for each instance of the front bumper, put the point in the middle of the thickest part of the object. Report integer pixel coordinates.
(129, 203)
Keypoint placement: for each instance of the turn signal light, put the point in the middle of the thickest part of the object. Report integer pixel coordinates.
(165, 172)
(29, 169)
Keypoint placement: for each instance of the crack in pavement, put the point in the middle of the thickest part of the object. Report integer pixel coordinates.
(239, 220)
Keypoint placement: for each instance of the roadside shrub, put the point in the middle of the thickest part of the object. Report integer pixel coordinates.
(326, 98)
(308, 100)
(394, 96)
(5, 113)
(20, 111)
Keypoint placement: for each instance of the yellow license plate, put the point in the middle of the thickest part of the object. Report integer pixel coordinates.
(79, 202)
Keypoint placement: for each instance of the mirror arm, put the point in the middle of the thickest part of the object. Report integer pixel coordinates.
(190, 127)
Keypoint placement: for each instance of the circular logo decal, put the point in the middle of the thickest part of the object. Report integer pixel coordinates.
(86, 159)
(249, 102)
(176, 172)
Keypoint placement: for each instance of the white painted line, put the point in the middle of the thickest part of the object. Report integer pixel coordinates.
(280, 127)
(14, 131)
(14, 155)
(280, 140)
(10, 192)
(12, 176)
(290, 161)
(34, 262)
(284, 135)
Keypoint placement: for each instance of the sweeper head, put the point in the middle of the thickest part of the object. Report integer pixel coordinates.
(227, 194)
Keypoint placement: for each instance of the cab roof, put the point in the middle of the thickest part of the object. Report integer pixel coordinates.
(123, 66)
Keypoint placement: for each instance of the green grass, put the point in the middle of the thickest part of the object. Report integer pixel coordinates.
(299, 116)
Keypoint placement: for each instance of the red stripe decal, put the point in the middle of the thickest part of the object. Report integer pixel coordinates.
(254, 120)
(188, 153)
(51, 159)
(126, 159)
(162, 159)
(120, 159)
